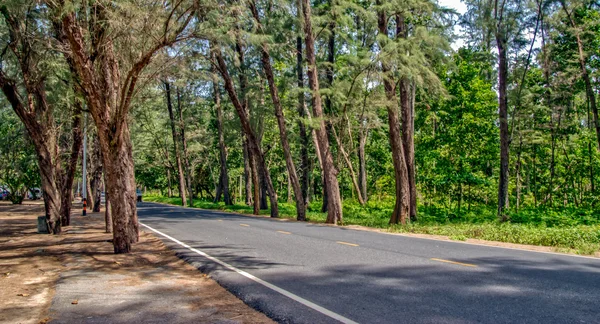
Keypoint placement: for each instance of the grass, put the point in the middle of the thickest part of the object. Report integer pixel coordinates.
(567, 230)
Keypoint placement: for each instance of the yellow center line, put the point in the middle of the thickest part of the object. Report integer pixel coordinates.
(245, 225)
(346, 243)
(220, 220)
(283, 232)
(454, 262)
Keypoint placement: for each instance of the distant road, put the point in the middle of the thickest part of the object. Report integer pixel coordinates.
(307, 273)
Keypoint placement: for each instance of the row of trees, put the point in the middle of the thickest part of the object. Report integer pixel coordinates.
(328, 99)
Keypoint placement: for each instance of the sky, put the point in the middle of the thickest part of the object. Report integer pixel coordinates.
(454, 4)
(461, 8)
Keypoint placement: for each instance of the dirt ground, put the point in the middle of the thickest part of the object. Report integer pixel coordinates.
(32, 265)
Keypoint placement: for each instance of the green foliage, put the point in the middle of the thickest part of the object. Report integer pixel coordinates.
(18, 169)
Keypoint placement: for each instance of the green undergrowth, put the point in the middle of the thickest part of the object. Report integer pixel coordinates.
(567, 229)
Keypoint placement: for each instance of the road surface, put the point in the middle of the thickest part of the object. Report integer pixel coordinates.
(307, 273)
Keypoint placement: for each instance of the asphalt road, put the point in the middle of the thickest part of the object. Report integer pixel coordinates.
(307, 273)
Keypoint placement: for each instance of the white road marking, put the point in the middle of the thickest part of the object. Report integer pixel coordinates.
(271, 286)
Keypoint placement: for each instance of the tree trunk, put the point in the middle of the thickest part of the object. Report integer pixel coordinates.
(182, 190)
(408, 141)
(223, 187)
(120, 180)
(334, 208)
(69, 174)
(186, 158)
(248, 174)
(362, 165)
(304, 139)
(263, 192)
(503, 116)
(401, 213)
(44, 141)
(293, 180)
(107, 211)
(253, 144)
(96, 179)
(252, 161)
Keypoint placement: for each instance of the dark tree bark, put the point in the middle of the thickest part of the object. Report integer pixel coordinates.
(334, 208)
(502, 113)
(186, 158)
(291, 168)
(96, 175)
(401, 213)
(223, 186)
(177, 151)
(253, 144)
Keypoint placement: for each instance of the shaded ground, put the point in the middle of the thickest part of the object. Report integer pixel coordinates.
(75, 278)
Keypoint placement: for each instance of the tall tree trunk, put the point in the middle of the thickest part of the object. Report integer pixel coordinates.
(503, 116)
(304, 138)
(186, 157)
(401, 213)
(248, 174)
(252, 162)
(69, 174)
(182, 190)
(223, 187)
(334, 208)
(408, 141)
(253, 144)
(293, 180)
(407, 104)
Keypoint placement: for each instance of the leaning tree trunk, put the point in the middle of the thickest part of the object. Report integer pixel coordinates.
(287, 152)
(176, 146)
(334, 208)
(43, 138)
(253, 144)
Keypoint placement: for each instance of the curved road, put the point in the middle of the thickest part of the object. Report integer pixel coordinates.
(307, 273)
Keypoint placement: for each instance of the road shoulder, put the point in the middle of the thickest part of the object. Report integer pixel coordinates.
(75, 277)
